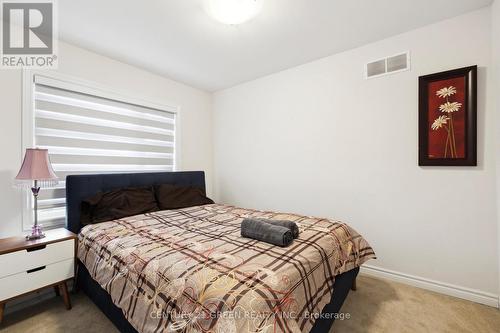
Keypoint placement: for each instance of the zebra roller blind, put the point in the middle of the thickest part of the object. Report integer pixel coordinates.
(86, 133)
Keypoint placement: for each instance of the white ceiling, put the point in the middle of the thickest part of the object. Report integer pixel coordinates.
(177, 39)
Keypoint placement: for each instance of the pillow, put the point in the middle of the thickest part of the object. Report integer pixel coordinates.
(116, 204)
(173, 197)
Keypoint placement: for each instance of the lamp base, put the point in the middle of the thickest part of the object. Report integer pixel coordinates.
(33, 237)
(36, 233)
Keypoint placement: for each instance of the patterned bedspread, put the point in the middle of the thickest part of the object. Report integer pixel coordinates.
(189, 270)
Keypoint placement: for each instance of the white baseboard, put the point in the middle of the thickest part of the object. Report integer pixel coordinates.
(436, 286)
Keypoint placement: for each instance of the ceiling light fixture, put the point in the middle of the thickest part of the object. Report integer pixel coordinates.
(233, 11)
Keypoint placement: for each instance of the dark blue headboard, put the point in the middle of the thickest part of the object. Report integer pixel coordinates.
(80, 187)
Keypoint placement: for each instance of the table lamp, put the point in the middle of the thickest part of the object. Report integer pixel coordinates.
(36, 172)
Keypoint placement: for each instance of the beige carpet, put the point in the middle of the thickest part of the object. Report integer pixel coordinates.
(377, 306)
(383, 306)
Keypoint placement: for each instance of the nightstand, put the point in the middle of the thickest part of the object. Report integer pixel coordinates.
(28, 266)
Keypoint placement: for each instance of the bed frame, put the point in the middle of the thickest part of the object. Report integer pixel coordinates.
(80, 187)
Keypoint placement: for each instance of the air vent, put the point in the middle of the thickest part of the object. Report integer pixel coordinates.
(389, 65)
(376, 68)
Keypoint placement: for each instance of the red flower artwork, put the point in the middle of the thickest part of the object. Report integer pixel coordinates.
(447, 119)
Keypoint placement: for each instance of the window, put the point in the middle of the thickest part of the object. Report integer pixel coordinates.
(88, 130)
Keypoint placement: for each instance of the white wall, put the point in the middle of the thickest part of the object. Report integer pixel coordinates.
(196, 118)
(495, 40)
(321, 140)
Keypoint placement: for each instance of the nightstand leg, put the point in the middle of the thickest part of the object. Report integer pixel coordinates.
(64, 291)
(56, 289)
(354, 287)
(2, 307)
(76, 288)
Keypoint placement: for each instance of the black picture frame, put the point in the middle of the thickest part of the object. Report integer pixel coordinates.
(470, 75)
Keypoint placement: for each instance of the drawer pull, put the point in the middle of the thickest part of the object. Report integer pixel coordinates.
(36, 248)
(35, 269)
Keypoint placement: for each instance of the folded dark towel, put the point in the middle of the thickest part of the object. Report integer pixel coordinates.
(266, 232)
(284, 223)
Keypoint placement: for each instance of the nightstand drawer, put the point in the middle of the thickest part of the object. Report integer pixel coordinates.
(17, 284)
(23, 260)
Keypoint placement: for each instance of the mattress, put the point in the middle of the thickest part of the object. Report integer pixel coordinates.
(190, 270)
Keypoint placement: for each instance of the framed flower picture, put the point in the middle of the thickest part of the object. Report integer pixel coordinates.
(448, 118)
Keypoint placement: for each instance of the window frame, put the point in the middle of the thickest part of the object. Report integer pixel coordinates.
(88, 87)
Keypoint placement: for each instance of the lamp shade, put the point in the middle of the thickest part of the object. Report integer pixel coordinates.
(36, 166)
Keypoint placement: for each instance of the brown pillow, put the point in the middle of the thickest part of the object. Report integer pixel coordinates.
(174, 197)
(117, 204)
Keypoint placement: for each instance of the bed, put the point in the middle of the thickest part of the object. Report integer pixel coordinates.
(189, 270)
